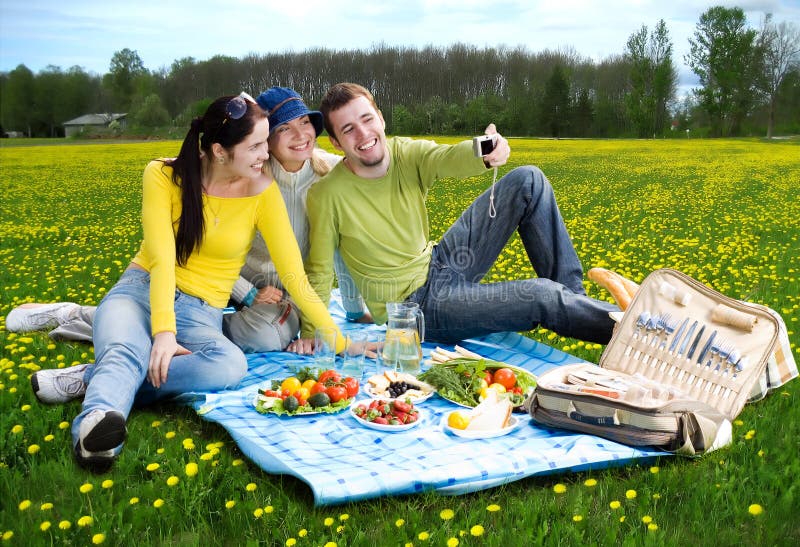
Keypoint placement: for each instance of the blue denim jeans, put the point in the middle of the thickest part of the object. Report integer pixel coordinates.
(122, 342)
(457, 306)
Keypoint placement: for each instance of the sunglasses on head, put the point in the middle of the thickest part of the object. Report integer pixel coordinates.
(235, 109)
(237, 106)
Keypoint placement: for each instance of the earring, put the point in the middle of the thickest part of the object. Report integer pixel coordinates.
(220, 160)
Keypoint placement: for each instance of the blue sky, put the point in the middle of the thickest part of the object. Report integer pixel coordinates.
(65, 33)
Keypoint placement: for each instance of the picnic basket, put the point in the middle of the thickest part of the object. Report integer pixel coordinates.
(681, 364)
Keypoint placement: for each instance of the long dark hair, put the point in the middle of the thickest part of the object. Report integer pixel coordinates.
(214, 126)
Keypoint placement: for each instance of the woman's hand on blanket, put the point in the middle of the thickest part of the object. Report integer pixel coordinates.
(165, 347)
(269, 295)
(303, 346)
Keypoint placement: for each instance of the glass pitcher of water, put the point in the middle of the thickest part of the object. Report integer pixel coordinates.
(405, 330)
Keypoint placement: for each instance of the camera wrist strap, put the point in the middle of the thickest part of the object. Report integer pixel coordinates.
(492, 209)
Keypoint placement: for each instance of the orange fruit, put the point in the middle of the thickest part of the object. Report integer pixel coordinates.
(290, 385)
(458, 420)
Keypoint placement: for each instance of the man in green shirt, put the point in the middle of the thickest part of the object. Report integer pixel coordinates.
(371, 207)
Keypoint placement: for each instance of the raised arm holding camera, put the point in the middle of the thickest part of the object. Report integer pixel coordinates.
(372, 208)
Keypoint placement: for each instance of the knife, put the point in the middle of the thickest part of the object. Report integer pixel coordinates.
(696, 341)
(678, 334)
(706, 347)
(687, 338)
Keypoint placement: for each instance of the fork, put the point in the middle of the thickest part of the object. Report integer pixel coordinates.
(641, 322)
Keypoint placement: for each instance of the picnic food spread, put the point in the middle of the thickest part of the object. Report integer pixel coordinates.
(491, 389)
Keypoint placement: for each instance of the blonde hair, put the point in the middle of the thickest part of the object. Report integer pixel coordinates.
(318, 163)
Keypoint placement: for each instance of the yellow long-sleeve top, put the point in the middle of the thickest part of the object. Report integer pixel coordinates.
(213, 268)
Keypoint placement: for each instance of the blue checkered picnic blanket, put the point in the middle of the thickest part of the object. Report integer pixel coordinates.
(343, 461)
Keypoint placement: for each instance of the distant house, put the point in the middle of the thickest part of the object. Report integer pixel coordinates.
(93, 121)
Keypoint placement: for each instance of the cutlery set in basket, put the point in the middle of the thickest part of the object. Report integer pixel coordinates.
(678, 369)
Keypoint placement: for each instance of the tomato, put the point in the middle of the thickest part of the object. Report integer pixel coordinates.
(271, 393)
(505, 377)
(336, 393)
(351, 385)
(329, 377)
(487, 377)
(319, 387)
(302, 393)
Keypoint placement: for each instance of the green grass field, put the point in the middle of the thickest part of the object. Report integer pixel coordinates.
(725, 212)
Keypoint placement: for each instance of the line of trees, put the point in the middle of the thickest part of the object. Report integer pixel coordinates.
(749, 83)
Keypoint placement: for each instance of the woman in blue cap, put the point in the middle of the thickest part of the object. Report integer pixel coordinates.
(296, 164)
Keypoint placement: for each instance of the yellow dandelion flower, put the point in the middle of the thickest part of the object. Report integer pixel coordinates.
(655, 469)
(155, 423)
(615, 504)
(172, 481)
(97, 539)
(446, 514)
(65, 525)
(46, 506)
(108, 483)
(577, 518)
(340, 529)
(86, 487)
(750, 434)
(258, 512)
(290, 542)
(170, 435)
(755, 509)
(8, 534)
(158, 503)
(16, 429)
(237, 462)
(63, 425)
(44, 526)
(344, 516)
(452, 542)
(630, 494)
(423, 536)
(49, 437)
(493, 508)
(302, 533)
(408, 544)
(476, 530)
(160, 451)
(133, 501)
(205, 456)
(251, 487)
(656, 496)
(188, 444)
(590, 482)
(191, 469)
(647, 519)
(560, 488)
(229, 504)
(331, 544)
(652, 527)
(85, 520)
(24, 504)
(328, 521)
(399, 522)
(25, 408)
(738, 422)
(622, 518)
(152, 466)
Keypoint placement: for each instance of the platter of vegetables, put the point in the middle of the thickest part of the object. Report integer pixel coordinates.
(465, 380)
(308, 392)
(386, 415)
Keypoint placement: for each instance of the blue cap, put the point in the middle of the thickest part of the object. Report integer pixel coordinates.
(283, 105)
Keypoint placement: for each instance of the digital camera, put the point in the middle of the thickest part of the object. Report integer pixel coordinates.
(483, 145)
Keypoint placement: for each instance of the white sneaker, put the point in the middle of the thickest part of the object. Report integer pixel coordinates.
(59, 385)
(100, 432)
(30, 317)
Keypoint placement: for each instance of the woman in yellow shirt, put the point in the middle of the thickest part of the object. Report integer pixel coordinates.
(157, 333)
